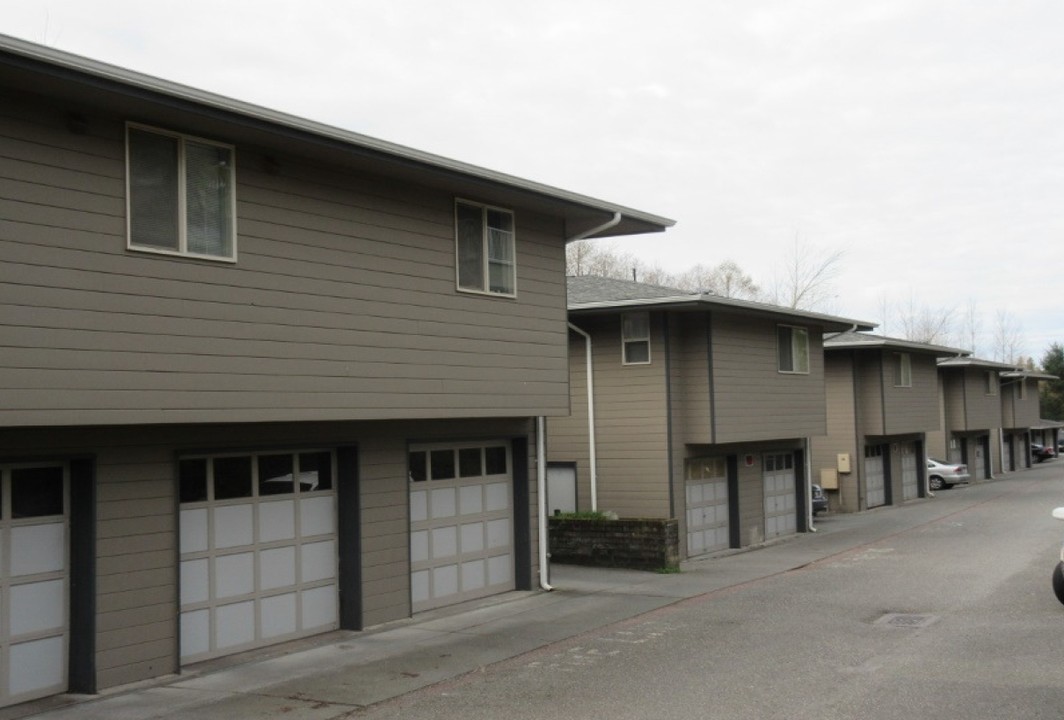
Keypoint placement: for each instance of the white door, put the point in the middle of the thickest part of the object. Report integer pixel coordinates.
(707, 505)
(34, 581)
(461, 523)
(978, 464)
(258, 550)
(781, 508)
(1006, 453)
(561, 489)
(875, 476)
(910, 477)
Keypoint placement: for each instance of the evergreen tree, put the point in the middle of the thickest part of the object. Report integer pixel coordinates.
(1052, 399)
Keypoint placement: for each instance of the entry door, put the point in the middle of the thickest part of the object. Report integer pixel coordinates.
(461, 523)
(875, 476)
(781, 508)
(978, 465)
(561, 489)
(707, 505)
(910, 477)
(34, 581)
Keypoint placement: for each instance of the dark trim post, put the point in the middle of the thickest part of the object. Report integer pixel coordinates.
(735, 539)
(522, 516)
(81, 669)
(349, 537)
(801, 484)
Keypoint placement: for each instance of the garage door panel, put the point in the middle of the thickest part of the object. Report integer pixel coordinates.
(461, 533)
(707, 505)
(256, 570)
(34, 581)
(38, 549)
(780, 499)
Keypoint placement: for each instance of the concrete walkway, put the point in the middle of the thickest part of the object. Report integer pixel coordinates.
(340, 673)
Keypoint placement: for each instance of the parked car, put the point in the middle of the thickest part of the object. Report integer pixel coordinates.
(944, 475)
(820, 500)
(1041, 452)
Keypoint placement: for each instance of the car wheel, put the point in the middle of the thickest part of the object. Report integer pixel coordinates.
(1058, 581)
(935, 482)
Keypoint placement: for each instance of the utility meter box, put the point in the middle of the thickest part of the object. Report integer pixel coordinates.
(843, 464)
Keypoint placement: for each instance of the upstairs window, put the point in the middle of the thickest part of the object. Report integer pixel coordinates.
(635, 338)
(485, 249)
(180, 194)
(991, 382)
(1021, 389)
(793, 347)
(903, 370)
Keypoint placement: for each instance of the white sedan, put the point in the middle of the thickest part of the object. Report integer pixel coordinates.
(945, 475)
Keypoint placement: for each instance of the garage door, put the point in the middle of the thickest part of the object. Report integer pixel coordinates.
(707, 505)
(258, 550)
(910, 478)
(781, 513)
(875, 476)
(461, 523)
(1006, 453)
(34, 584)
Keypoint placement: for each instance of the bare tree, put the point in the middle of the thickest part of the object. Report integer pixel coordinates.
(971, 327)
(806, 279)
(1008, 337)
(726, 279)
(589, 257)
(923, 323)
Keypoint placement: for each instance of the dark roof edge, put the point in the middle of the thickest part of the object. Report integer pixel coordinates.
(124, 76)
(851, 341)
(694, 301)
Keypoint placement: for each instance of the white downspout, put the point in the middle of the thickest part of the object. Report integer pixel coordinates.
(592, 453)
(809, 482)
(541, 492)
(541, 447)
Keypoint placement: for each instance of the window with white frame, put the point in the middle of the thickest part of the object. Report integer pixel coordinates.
(486, 256)
(635, 338)
(1021, 389)
(991, 382)
(793, 347)
(180, 194)
(903, 370)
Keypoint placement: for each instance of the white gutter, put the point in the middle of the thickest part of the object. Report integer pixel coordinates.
(541, 492)
(592, 453)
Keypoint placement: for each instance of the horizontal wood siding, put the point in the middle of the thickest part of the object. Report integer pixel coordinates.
(753, 400)
(982, 410)
(912, 409)
(630, 420)
(567, 436)
(342, 304)
(870, 379)
(690, 371)
(841, 430)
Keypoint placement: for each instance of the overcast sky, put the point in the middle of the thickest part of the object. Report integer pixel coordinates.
(924, 138)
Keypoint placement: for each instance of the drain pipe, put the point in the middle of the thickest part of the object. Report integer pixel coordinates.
(541, 492)
(807, 442)
(592, 453)
(541, 446)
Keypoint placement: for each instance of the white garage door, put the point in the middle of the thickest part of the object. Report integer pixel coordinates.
(461, 523)
(258, 550)
(910, 477)
(978, 465)
(707, 505)
(781, 512)
(34, 585)
(561, 489)
(1006, 453)
(875, 476)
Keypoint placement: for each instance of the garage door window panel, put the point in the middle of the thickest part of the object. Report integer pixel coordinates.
(461, 536)
(258, 533)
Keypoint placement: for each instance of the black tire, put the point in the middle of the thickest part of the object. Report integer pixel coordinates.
(935, 482)
(1058, 582)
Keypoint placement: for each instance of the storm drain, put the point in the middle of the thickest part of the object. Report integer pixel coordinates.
(906, 620)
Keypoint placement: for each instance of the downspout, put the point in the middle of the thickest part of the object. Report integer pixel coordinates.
(541, 446)
(592, 455)
(808, 452)
(541, 492)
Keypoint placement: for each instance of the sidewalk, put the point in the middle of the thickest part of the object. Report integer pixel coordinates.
(328, 676)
